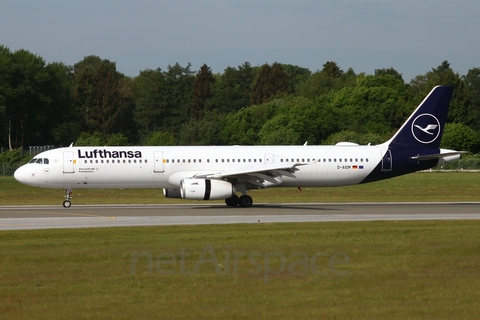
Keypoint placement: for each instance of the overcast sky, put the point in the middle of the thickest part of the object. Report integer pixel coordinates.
(412, 36)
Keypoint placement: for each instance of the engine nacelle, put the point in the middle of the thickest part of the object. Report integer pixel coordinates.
(172, 193)
(206, 189)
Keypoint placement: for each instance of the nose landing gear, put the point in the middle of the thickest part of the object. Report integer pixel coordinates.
(68, 196)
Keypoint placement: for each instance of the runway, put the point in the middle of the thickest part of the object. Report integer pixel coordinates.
(46, 217)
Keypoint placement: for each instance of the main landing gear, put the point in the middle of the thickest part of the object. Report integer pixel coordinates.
(68, 196)
(242, 201)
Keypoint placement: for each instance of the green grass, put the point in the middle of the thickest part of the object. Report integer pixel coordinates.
(422, 270)
(425, 186)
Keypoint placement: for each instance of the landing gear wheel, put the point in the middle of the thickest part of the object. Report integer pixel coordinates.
(68, 196)
(245, 201)
(232, 202)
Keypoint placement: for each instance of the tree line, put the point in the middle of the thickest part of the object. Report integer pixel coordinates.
(92, 103)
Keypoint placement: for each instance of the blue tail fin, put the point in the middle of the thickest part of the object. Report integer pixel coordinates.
(425, 126)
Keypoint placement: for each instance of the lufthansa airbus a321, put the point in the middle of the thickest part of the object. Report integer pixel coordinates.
(223, 172)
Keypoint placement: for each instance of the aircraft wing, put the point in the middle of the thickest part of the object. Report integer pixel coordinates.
(260, 176)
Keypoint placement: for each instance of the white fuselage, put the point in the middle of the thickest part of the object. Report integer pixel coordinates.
(165, 167)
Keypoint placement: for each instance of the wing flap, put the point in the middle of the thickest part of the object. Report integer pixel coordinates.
(260, 176)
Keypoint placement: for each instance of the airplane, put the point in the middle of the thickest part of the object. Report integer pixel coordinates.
(223, 172)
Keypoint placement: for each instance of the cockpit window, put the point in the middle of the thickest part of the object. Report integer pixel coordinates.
(40, 160)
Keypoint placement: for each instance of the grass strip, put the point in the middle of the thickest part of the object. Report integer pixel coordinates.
(404, 269)
(423, 186)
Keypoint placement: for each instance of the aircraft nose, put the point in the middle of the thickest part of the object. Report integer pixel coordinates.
(21, 174)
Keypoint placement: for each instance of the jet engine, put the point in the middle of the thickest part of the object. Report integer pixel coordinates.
(172, 193)
(206, 189)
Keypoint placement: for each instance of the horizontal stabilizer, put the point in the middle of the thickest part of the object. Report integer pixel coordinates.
(443, 157)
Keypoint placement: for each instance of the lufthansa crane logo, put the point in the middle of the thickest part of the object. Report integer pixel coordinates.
(426, 128)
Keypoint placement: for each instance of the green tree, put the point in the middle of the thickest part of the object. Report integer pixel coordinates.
(178, 98)
(472, 87)
(102, 96)
(271, 82)
(205, 131)
(331, 77)
(390, 71)
(149, 93)
(242, 127)
(458, 136)
(202, 91)
(6, 94)
(161, 138)
(233, 89)
(26, 116)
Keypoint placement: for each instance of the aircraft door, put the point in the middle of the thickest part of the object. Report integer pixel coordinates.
(68, 162)
(387, 161)
(158, 162)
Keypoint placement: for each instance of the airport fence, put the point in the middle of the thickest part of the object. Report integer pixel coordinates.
(7, 169)
(12, 161)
